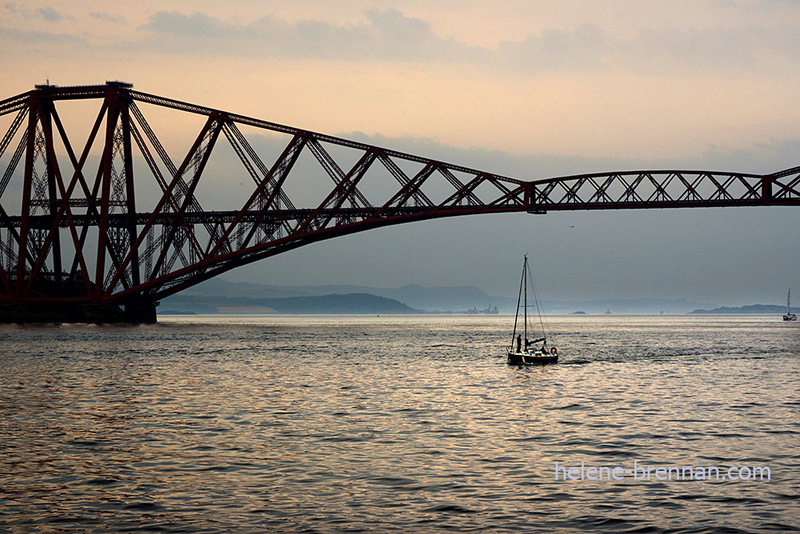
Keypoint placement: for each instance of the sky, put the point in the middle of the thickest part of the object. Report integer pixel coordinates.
(523, 88)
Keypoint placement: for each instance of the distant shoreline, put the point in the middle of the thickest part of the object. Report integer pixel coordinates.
(753, 309)
(218, 296)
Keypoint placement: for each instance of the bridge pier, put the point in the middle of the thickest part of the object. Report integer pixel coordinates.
(57, 312)
(140, 312)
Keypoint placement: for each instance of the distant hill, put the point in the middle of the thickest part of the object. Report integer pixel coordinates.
(427, 299)
(217, 296)
(352, 303)
(752, 309)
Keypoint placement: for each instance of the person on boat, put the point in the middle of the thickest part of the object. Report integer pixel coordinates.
(519, 342)
(529, 343)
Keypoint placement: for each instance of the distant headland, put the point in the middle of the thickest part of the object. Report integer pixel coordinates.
(753, 309)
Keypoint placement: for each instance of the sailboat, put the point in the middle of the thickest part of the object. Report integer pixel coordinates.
(522, 350)
(789, 315)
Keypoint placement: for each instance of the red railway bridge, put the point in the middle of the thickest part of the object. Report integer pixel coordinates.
(100, 231)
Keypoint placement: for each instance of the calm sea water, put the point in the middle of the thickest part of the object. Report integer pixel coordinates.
(397, 424)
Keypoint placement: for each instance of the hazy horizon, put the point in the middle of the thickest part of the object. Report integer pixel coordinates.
(551, 299)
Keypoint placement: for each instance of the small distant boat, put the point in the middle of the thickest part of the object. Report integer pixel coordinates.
(522, 350)
(789, 315)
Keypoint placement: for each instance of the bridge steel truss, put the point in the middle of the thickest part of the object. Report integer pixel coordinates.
(79, 240)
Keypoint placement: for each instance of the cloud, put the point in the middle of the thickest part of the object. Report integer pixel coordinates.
(588, 48)
(583, 48)
(107, 17)
(713, 49)
(45, 13)
(49, 14)
(389, 35)
(386, 35)
(761, 43)
(30, 37)
(195, 25)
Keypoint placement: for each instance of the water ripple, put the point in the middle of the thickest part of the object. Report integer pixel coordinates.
(397, 424)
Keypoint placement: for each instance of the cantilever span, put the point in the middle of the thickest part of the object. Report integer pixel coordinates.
(101, 224)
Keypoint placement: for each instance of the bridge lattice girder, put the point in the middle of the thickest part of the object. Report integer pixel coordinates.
(75, 226)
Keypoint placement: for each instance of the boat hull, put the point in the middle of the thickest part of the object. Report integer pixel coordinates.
(790, 317)
(531, 358)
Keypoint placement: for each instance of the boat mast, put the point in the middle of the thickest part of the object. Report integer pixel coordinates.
(516, 316)
(525, 306)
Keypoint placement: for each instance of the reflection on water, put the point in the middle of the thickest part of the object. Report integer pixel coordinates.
(329, 424)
